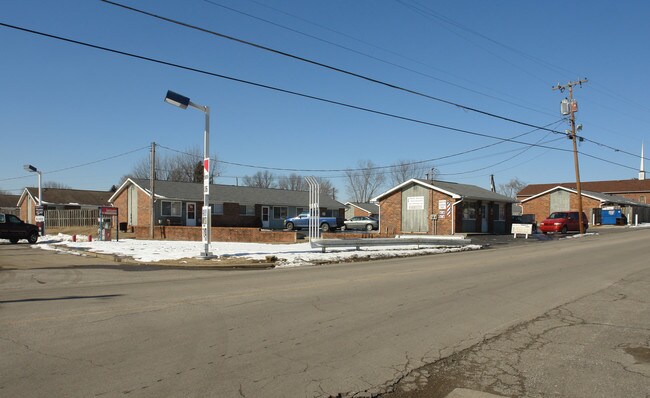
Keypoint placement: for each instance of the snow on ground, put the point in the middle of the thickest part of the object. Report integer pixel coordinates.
(287, 254)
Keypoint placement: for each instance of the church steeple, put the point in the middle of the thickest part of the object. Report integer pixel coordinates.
(642, 169)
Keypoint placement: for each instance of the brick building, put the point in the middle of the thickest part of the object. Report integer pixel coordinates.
(60, 199)
(180, 203)
(356, 209)
(442, 208)
(561, 198)
(636, 190)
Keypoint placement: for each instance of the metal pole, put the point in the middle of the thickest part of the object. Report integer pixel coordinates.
(40, 201)
(152, 178)
(206, 183)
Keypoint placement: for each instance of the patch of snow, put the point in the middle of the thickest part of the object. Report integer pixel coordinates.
(287, 254)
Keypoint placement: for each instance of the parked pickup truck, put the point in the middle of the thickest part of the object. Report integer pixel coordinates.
(14, 229)
(302, 221)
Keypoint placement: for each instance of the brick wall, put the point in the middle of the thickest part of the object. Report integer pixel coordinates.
(444, 223)
(219, 234)
(391, 214)
(541, 206)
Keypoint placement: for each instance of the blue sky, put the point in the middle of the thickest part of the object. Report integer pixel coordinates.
(66, 108)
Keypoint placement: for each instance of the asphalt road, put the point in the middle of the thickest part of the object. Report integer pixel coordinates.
(350, 329)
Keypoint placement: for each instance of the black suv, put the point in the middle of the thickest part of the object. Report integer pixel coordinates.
(14, 229)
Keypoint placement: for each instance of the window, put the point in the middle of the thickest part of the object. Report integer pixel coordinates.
(502, 212)
(642, 198)
(242, 210)
(279, 213)
(171, 209)
(469, 210)
(302, 210)
(217, 208)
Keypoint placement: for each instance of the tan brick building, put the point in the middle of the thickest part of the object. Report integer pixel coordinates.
(443, 208)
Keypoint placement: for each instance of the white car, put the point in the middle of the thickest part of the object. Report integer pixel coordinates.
(361, 222)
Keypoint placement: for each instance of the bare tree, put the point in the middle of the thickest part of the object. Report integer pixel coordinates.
(326, 187)
(364, 182)
(261, 179)
(292, 182)
(54, 184)
(512, 188)
(184, 166)
(404, 170)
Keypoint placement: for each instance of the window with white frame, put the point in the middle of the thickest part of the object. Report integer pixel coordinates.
(279, 213)
(171, 208)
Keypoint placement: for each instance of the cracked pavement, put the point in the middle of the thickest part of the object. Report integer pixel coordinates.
(498, 320)
(596, 346)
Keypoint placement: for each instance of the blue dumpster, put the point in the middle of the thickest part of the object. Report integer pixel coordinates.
(610, 217)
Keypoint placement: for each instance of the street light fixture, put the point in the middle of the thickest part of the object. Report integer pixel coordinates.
(40, 215)
(183, 102)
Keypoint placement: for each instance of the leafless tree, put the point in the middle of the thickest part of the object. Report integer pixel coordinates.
(512, 188)
(186, 166)
(54, 184)
(292, 182)
(404, 170)
(364, 182)
(261, 179)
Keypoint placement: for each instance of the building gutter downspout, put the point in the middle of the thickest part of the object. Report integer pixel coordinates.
(453, 215)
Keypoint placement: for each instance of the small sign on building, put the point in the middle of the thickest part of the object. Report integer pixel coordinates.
(415, 203)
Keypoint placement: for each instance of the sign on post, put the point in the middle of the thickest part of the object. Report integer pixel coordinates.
(522, 229)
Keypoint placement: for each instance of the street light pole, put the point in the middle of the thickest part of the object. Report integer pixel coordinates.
(206, 214)
(30, 168)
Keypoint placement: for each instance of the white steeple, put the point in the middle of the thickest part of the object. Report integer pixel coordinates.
(642, 169)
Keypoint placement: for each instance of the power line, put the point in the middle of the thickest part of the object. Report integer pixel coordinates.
(320, 64)
(295, 93)
(79, 165)
(369, 110)
(517, 104)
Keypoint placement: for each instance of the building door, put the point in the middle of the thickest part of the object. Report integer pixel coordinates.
(265, 216)
(190, 214)
(484, 218)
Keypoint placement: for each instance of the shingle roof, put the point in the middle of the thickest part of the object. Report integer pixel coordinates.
(234, 194)
(611, 187)
(63, 196)
(457, 190)
(605, 198)
(369, 207)
(9, 200)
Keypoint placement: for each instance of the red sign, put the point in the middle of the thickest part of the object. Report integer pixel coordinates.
(108, 211)
(206, 164)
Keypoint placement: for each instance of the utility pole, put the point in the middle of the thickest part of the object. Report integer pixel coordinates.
(152, 180)
(572, 108)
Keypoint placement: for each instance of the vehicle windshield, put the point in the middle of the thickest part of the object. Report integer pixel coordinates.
(557, 215)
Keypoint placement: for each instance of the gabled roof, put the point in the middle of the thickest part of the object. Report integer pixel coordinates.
(604, 198)
(63, 196)
(9, 200)
(611, 187)
(371, 208)
(191, 191)
(455, 190)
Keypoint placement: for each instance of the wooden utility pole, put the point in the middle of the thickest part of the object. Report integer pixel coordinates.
(573, 108)
(152, 179)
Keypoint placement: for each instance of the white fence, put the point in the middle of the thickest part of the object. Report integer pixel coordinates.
(71, 218)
